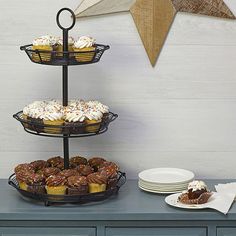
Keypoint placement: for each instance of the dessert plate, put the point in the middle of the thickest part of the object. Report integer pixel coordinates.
(168, 189)
(158, 192)
(166, 176)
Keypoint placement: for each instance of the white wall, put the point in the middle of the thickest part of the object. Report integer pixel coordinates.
(182, 113)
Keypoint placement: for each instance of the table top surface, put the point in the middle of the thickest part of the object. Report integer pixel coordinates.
(130, 204)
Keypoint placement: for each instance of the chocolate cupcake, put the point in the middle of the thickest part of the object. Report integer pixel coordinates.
(24, 167)
(85, 170)
(78, 160)
(97, 182)
(197, 193)
(77, 185)
(50, 171)
(39, 165)
(68, 173)
(56, 185)
(22, 177)
(95, 162)
(55, 161)
(36, 183)
(110, 164)
(112, 177)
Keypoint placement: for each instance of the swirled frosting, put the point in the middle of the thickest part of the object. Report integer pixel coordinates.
(70, 40)
(55, 180)
(97, 178)
(84, 42)
(197, 185)
(45, 41)
(76, 181)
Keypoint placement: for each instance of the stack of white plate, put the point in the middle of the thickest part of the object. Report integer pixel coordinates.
(165, 180)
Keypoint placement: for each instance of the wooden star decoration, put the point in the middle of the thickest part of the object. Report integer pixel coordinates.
(153, 18)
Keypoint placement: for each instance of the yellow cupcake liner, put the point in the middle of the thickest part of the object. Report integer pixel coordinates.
(44, 55)
(58, 190)
(59, 50)
(23, 186)
(95, 126)
(95, 188)
(87, 56)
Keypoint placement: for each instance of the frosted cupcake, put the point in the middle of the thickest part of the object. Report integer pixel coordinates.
(77, 185)
(97, 182)
(44, 43)
(59, 47)
(93, 120)
(101, 107)
(55, 184)
(84, 49)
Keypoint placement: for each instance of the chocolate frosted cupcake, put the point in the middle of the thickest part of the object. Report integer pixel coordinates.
(68, 173)
(24, 167)
(78, 160)
(55, 161)
(77, 185)
(22, 177)
(97, 182)
(95, 162)
(36, 183)
(50, 171)
(55, 185)
(110, 164)
(112, 177)
(197, 193)
(39, 165)
(85, 170)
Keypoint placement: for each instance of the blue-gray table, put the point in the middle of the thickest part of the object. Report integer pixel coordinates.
(132, 212)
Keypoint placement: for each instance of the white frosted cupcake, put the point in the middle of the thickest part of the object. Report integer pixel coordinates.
(59, 47)
(93, 120)
(84, 49)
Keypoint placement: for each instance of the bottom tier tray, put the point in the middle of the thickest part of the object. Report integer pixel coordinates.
(77, 199)
(73, 130)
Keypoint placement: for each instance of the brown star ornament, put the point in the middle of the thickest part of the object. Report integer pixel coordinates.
(153, 18)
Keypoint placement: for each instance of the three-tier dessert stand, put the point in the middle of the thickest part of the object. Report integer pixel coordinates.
(76, 130)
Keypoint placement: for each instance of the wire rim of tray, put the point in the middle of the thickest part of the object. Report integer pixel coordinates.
(60, 58)
(79, 199)
(74, 130)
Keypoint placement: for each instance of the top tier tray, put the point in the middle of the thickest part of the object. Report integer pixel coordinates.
(65, 58)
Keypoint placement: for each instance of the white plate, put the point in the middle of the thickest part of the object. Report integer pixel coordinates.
(172, 200)
(159, 192)
(162, 189)
(164, 186)
(166, 175)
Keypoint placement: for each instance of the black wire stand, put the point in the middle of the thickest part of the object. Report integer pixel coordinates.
(66, 58)
(49, 199)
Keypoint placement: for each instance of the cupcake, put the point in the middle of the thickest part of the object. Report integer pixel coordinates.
(197, 193)
(55, 161)
(77, 160)
(77, 185)
(55, 185)
(111, 173)
(24, 168)
(97, 182)
(50, 171)
(95, 162)
(101, 107)
(84, 49)
(45, 46)
(59, 47)
(39, 165)
(36, 183)
(84, 170)
(110, 164)
(74, 121)
(93, 120)
(22, 177)
(68, 173)
(53, 119)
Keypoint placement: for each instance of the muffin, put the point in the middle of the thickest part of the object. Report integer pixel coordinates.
(77, 160)
(39, 165)
(97, 182)
(77, 185)
(45, 46)
(55, 185)
(50, 171)
(59, 46)
(197, 193)
(84, 49)
(95, 162)
(84, 170)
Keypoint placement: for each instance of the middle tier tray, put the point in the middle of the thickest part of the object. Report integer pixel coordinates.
(71, 130)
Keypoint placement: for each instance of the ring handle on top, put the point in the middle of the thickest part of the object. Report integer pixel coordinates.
(73, 18)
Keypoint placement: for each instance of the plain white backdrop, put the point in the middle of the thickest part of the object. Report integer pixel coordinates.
(182, 113)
